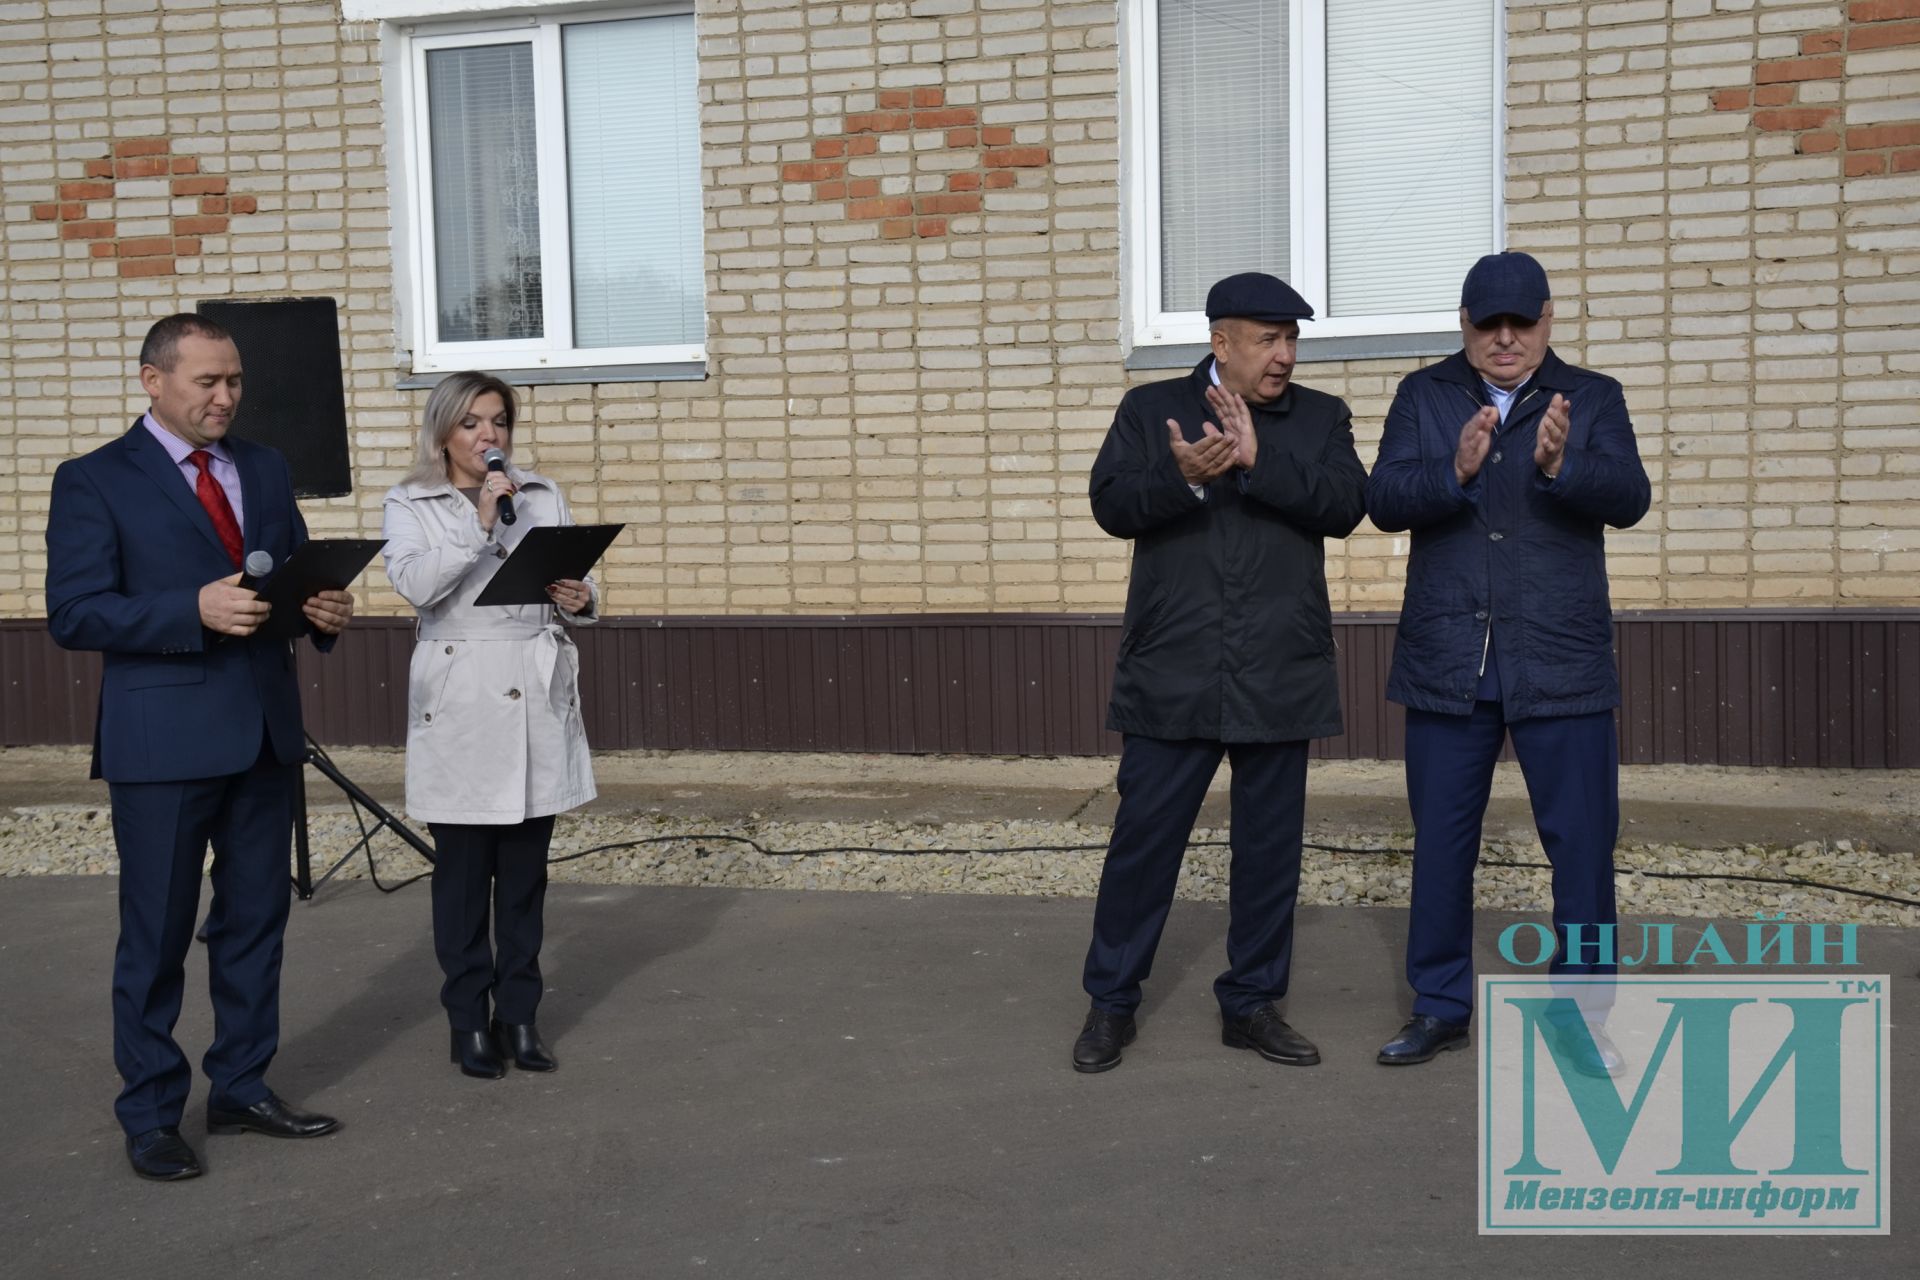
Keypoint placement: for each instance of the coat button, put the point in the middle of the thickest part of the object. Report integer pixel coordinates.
(1496, 455)
(1495, 537)
(513, 693)
(449, 648)
(1480, 615)
(428, 717)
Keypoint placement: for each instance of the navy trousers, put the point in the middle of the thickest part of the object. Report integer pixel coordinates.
(162, 830)
(1571, 765)
(505, 868)
(1162, 785)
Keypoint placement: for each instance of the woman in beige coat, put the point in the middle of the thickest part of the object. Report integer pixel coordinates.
(495, 742)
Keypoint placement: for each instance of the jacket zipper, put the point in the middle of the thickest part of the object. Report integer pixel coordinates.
(1486, 639)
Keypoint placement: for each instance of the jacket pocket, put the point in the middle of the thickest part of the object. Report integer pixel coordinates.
(161, 674)
(1135, 631)
(427, 677)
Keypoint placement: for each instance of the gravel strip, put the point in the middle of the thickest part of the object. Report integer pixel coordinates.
(77, 840)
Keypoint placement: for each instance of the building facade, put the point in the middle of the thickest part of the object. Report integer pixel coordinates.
(832, 303)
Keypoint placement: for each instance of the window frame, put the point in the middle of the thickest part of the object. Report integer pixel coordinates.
(1152, 326)
(554, 350)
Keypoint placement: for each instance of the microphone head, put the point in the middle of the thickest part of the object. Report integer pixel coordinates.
(259, 564)
(495, 460)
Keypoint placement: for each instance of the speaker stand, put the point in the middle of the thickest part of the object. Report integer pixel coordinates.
(303, 882)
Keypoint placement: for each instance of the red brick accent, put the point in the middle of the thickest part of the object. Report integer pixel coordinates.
(1815, 143)
(929, 98)
(1906, 161)
(1883, 135)
(945, 119)
(1732, 99)
(880, 122)
(99, 168)
(883, 207)
(1016, 158)
(146, 267)
(1861, 165)
(829, 148)
(999, 178)
(103, 249)
(213, 204)
(86, 231)
(948, 204)
(1793, 119)
(46, 212)
(963, 182)
(200, 187)
(862, 146)
(1884, 36)
(931, 227)
(815, 171)
(862, 188)
(895, 99)
(1821, 42)
(829, 190)
(996, 135)
(185, 164)
(1882, 10)
(1773, 95)
(73, 210)
(141, 147)
(199, 226)
(244, 204)
(86, 191)
(963, 137)
(145, 167)
(146, 247)
(1794, 69)
(896, 228)
(187, 246)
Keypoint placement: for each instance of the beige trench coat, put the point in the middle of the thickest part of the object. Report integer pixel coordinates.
(494, 731)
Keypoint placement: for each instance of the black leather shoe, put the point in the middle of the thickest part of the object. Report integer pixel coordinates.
(521, 1041)
(1102, 1038)
(477, 1055)
(162, 1155)
(1423, 1039)
(1268, 1035)
(270, 1116)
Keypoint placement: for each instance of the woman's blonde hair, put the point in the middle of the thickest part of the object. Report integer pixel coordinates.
(445, 407)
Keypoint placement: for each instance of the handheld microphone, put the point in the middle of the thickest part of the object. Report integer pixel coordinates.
(259, 565)
(497, 461)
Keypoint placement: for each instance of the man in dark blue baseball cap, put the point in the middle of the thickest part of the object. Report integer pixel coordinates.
(1227, 651)
(1507, 464)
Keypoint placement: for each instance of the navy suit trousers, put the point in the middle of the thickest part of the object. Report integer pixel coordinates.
(503, 868)
(1571, 765)
(162, 830)
(1162, 785)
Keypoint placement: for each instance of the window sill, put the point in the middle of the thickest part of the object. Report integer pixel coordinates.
(1384, 346)
(666, 371)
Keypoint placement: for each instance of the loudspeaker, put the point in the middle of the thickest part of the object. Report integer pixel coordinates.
(292, 395)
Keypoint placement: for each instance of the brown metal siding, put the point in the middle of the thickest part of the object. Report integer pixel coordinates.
(1838, 689)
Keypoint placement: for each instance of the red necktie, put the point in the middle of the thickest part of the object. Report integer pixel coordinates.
(214, 499)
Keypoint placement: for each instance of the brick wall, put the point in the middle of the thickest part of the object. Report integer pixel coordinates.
(914, 245)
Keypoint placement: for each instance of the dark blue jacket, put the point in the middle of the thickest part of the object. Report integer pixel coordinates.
(1512, 552)
(128, 548)
(1228, 635)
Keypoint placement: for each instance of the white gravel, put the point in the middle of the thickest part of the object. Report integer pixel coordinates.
(78, 840)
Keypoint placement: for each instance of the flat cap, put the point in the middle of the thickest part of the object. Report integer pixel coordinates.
(1254, 295)
(1505, 284)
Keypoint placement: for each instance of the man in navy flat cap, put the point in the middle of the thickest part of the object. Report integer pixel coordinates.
(1227, 650)
(1506, 463)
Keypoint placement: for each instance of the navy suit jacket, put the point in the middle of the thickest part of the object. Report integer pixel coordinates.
(128, 548)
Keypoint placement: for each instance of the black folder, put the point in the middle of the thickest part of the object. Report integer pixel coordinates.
(318, 564)
(546, 554)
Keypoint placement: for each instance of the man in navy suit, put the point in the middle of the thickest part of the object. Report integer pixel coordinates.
(198, 734)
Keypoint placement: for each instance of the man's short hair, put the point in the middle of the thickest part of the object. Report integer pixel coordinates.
(162, 346)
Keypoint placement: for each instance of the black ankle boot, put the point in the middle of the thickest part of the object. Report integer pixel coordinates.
(522, 1041)
(477, 1055)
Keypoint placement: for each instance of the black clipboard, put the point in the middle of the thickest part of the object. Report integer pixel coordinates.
(546, 554)
(318, 564)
